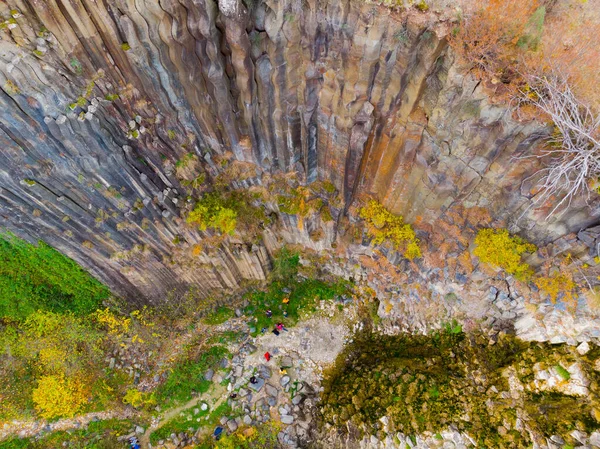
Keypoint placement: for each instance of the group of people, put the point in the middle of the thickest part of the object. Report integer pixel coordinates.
(279, 326)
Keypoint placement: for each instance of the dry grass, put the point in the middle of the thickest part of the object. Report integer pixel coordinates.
(508, 41)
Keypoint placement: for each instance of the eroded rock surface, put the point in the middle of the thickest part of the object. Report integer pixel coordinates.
(101, 101)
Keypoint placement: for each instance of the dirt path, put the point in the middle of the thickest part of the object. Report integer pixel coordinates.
(216, 394)
(27, 429)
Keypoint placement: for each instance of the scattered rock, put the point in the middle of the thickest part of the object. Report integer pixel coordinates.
(260, 382)
(583, 348)
(284, 381)
(271, 390)
(208, 375)
(287, 419)
(232, 425)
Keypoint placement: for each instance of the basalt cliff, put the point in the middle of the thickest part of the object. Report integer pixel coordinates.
(115, 116)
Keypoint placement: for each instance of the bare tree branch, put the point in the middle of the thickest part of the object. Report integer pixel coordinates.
(573, 151)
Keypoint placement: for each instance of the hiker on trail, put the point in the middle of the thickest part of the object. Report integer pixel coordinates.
(267, 356)
(269, 313)
(233, 395)
(285, 314)
(282, 371)
(275, 331)
(263, 330)
(285, 300)
(280, 327)
(217, 433)
(134, 443)
(253, 380)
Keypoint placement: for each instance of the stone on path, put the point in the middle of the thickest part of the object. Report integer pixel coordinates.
(271, 390)
(208, 375)
(287, 419)
(232, 425)
(284, 381)
(260, 382)
(264, 371)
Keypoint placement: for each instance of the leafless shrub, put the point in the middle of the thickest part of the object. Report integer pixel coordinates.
(572, 155)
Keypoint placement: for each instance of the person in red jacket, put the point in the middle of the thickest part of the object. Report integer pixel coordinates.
(267, 356)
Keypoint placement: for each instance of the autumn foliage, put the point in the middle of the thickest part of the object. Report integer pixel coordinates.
(499, 248)
(490, 34)
(57, 395)
(383, 226)
(509, 41)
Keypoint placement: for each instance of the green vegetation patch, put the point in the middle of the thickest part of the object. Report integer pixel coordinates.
(219, 316)
(289, 294)
(563, 373)
(426, 383)
(187, 377)
(53, 364)
(97, 435)
(224, 211)
(40, 278)
(187, 421)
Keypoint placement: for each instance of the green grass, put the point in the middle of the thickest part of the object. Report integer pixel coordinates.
(563, 373)
(303, 299)
(304, 294)
(219, 316)
(97, 435)
(181, 423)
(39, 277)
(226, 337)
(209, 418)
(188, 377)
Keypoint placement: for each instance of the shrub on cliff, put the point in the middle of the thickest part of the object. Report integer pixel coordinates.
(490, 35)
(383, 226)
(210, 213)
(500, 249)
(227, 211)
(557, 285)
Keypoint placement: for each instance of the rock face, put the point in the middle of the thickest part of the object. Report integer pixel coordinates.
(105, 105)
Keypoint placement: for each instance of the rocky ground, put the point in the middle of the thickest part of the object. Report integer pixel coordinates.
(286, 387)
